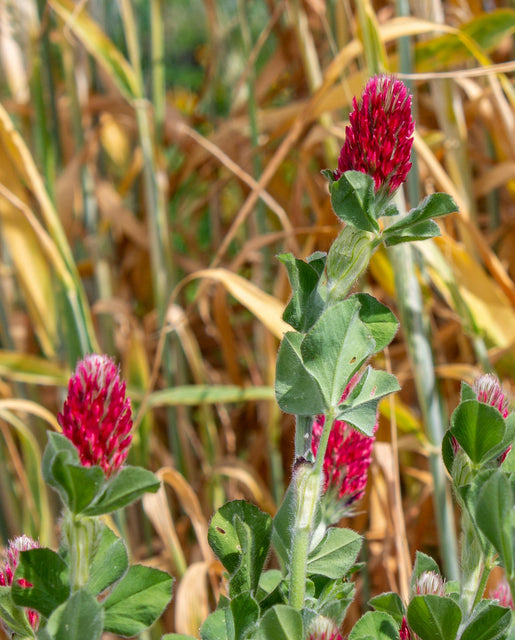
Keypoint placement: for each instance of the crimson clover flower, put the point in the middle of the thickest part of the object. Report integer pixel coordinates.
(96, 415)
(11, 558)
(405, 633)
(347, 458)
(323, 629)
(379, 138)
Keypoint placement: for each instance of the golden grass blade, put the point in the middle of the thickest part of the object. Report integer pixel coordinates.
(34, 489)
(246, 476)
(158, 512)
(192, 599)
(29, 406)
(60, 251)
(99, 46)
(22, 367)
(189, 502)
(264, 306)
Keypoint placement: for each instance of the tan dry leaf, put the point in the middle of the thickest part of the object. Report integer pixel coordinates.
(192, 599)
(121, 219)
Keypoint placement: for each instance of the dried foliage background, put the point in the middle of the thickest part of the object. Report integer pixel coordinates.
(155, 158)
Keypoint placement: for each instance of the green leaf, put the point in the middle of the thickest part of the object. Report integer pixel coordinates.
(244, 615)
(352, 198)
(375, 625)
(333, 599)
(80, 617)
(57, 443)
(336, 554)
(434, 617)
(419, 231)
(296, 389)
(240, 534)
(137, 600)
(78, 485)
(448, 451)
(493, 508)
(215, 626)
(360, 408)
(109, 563)
(13, 616)
(433, 206)
(479, 428)
(176, 636)
(335, 348)
(281, 622)
(467, 392)
(489, 622)
(48, 574)
(122, 489)
(389, 603)
(306, 303)
(381, 322)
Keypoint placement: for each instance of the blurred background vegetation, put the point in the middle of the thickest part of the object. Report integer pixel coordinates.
(155, 157)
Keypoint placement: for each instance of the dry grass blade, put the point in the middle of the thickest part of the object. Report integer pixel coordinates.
(158, 512)
(191, 506)
(192, 599)
(265, 307)
(247, 477)
(33, 408)
(95, 40)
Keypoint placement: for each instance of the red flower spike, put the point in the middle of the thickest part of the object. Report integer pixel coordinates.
(347, 458)
(379, 138)
(323, 629)
(96, 415)
(11, 557)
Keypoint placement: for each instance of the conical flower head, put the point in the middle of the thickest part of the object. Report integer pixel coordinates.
(8, 566)
(379, 137)
(347, 458)
(96, 415)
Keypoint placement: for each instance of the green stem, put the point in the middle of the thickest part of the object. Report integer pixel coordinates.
(81, 535)
(309, 482)
(308, 494)
(473, 575)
